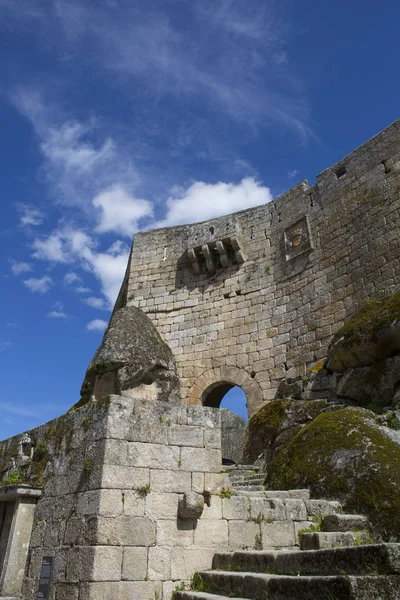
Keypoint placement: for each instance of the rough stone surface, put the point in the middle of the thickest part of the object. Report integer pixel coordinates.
(132, 359)
(191, 506)
(232, 433)
(312, 257)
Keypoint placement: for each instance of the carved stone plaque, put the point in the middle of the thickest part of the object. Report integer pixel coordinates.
(298, 239)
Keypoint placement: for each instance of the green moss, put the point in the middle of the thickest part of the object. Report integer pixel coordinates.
(344, 455)
(372, 316)
(225, 493)
(15, 478)
(144, 490)
(40, 459)
(86, 423)
(198, 584)
(263, 427)
(79, 404)
(89, 465)
(59, 431)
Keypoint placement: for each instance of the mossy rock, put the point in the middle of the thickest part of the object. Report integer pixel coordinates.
(276, 423)
(371, 335)
(345, 455)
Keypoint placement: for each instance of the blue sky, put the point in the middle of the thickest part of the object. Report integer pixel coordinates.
(118, 115)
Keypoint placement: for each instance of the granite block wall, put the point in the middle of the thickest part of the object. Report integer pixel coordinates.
(253, 297)
(114, 476)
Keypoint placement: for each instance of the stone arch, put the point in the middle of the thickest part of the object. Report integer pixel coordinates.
(212, 385)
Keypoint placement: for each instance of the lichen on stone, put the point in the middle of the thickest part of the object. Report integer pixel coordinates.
(344, 455)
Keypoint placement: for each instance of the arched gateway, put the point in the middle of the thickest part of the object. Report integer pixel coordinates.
(212, 385)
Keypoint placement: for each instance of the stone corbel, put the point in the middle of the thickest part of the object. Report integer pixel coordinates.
(194, 260)
(223, 256)
(210, 263)
(240, 254)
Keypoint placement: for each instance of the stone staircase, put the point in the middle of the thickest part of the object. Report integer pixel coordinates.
(246, 478)
(370, 572)
(334, 558)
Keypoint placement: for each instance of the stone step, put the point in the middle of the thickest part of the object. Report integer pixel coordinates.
(278, 587)
(340, 522)
(235, 478)
(321, 508)
(321, 540)
(282, 495)
(247, 468)
(201, 596)
(249, 488)
(382, 559)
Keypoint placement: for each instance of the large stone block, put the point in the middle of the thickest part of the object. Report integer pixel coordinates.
(235, 507)
(134, 564)
(155, 456)
(134, 503)
(184, 435)
(108, 503)
(161, 506)
(101, 563)
(211, 534)
(124, 477)
(143, 590)
(175, 532)
(244, 535)
(278, 534)
(170, 481)
(201, 459)
(186, 561)
(159, 564)
(122, 531)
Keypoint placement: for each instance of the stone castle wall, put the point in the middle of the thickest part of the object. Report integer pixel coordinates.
(114, 474)
(253, 297)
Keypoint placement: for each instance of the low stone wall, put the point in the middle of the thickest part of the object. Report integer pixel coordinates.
(115, 474)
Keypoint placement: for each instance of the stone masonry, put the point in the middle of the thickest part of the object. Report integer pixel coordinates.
(256, 296)
(110, 513)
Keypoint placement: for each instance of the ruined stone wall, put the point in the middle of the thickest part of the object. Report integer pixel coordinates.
(293, 271)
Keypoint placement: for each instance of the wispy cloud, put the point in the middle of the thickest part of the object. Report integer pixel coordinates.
(233, 56)
(40, 285)
(96, 302)
(68, 245)
(292, 174)
(20, 267)
(4, 345)
(30, 215)
(96, 325)
(58, 312)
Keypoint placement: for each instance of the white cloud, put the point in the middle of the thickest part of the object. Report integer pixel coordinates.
(68, 245)
(80, 159)
(202, 201)
(20, 267)
(57, 314)
(95, 302)
(292, 174)
(29, 215)
(72, 279)
(40, 285)
(96, 325)
(83, 290)
(120, 211)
